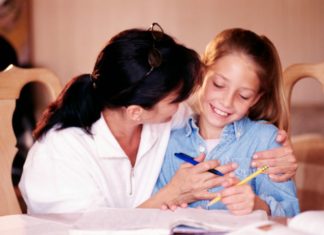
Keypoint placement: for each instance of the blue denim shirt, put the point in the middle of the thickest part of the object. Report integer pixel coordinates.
(238, 142)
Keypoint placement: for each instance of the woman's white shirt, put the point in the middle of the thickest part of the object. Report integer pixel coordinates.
(72, 171)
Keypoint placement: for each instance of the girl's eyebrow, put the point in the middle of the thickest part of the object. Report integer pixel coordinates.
(222, 76)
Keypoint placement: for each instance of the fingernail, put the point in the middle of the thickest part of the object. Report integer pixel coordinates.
(254, 164)
(255, 156)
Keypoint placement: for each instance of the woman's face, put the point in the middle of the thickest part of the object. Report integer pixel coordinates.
(162, 111)
(230, 89)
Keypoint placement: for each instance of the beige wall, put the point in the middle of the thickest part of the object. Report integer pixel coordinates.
(68, 34)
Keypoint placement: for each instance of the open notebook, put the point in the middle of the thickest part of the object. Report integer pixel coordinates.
(155, 221)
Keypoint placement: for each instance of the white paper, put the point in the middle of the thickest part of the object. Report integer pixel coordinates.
(127, 222)
(120, 232)
(27, 225)
(311, 222)
(114, 220)
(306, 223)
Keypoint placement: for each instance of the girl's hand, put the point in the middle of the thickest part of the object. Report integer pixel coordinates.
(173, 207)
(239, 199)
(281, 161)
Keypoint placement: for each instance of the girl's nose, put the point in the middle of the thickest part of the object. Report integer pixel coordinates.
(228, 100)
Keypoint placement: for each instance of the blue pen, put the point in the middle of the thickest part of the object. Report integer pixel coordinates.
(189, 159)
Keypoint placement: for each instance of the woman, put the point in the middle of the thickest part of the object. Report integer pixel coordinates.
(102, 142)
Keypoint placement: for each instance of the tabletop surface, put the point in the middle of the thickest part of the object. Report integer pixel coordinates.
(97, 222)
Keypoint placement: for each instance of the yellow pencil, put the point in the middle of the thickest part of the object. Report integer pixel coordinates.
(247, 179)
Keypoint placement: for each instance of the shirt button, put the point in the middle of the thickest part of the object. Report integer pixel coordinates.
(238, 134)
(201, 149)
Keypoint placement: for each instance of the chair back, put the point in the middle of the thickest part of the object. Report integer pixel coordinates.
(12, 80)
(308, 147)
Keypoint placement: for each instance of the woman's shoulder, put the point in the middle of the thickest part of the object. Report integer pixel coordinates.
(55, 140)
(57, 134)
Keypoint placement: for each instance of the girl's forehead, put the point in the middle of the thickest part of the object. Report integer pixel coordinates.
(234, 69)
(235, 58)
(232, 63)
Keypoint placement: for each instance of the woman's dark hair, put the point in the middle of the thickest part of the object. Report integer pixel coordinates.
(8, 54)
(123, 76)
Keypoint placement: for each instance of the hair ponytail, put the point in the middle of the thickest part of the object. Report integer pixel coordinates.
(76, 106)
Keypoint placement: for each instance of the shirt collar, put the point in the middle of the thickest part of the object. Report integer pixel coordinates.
(108, 147)
(233, 129)
(106, 144)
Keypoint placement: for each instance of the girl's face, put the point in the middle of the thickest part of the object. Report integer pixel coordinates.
(230, 89)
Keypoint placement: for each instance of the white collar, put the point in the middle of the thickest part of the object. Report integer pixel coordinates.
(108, 146)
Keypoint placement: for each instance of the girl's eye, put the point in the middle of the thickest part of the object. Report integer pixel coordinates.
(218, 85)
(244, 97)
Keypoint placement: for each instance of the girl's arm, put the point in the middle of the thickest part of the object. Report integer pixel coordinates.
(189, 183)
(281, 198)
(281, 161)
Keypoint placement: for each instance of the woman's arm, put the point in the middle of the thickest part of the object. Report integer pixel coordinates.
(56, 176)
(281, 161)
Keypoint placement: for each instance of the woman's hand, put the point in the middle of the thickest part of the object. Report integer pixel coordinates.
(281, 161)
(239, 199)
(191, 183)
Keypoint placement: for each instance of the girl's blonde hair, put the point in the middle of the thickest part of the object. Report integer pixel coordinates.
(272, 105)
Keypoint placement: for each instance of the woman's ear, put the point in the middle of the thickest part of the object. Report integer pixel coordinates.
(134, 112)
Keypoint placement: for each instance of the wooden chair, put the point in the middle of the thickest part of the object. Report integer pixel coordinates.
(12, 80)
(309, 147)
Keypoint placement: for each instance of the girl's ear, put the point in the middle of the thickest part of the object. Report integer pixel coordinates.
(134, 112)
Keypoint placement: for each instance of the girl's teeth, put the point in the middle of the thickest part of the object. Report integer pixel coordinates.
(221, 112)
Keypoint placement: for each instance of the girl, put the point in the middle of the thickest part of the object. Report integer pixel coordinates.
(238, 104)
